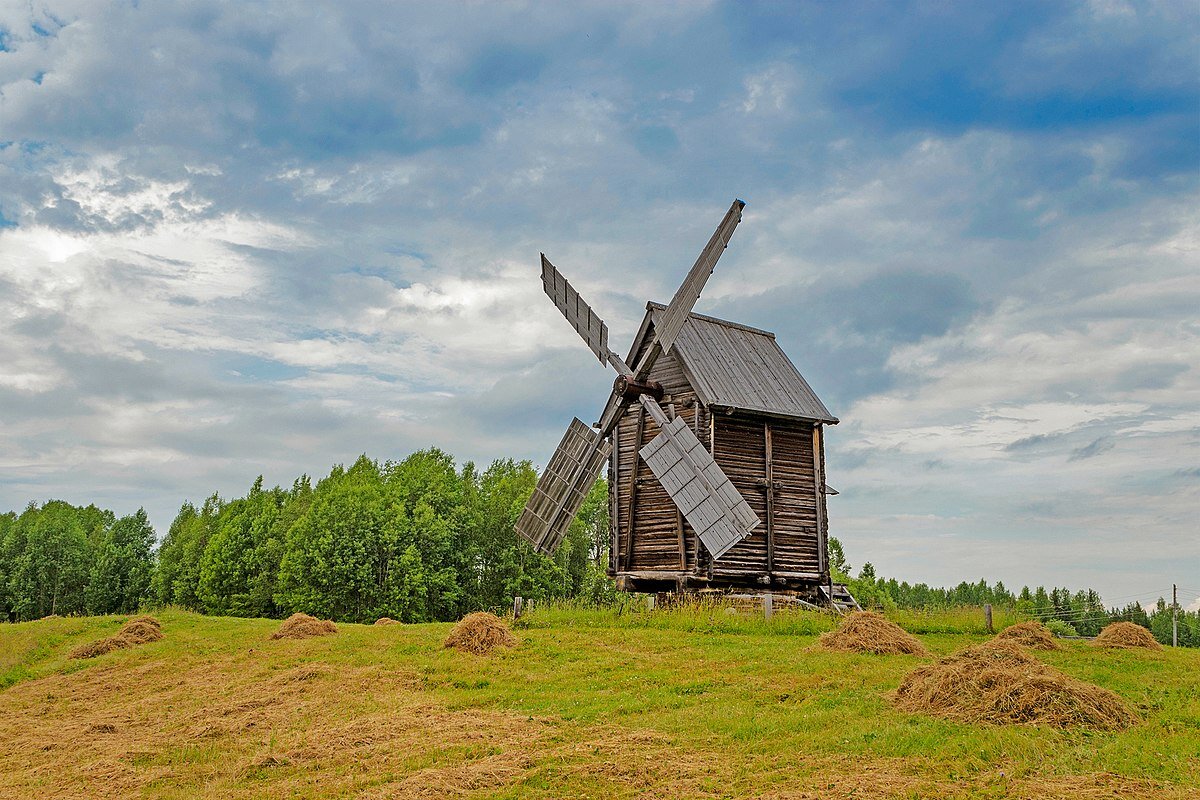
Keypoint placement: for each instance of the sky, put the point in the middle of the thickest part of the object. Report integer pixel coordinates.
(245, 238)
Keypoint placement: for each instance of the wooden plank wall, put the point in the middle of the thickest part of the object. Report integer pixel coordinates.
(796, 542)
(741, 453)
(656, 539)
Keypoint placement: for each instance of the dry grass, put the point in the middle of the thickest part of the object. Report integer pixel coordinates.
(302, 626)
(999, 683)
(139, 630)
(868, 632)
(480, 633)
(387, 621)
(1032, 635)
(1127, 636)
(214, 712)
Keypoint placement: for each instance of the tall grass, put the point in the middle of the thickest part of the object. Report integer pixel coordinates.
(700, 616)
(715, 616)
(958, 619)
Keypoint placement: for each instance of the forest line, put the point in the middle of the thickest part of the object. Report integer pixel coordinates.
(417, 540)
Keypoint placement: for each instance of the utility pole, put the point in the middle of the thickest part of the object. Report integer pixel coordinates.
(1174, 615)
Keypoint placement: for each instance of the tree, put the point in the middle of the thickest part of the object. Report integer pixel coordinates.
(337, 556)
(837, 560)
(234, 556)
(49, 557)
(8, 522)
(121, 574)
(171, 554)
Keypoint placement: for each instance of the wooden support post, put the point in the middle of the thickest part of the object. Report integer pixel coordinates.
(518, 607)
(679, 536)
(633, 486)
(679, 523)
(651, 601)
(1174, 615)
(818, 448)
(768, 606)
(987, 617)
(770, 472)
(614, 507)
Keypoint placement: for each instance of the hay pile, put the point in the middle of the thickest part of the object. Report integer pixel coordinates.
(868, 632)
(1033, 635)
(1126, 635)
(998, 682)
(387, 621)
(302, 626)
(138, 630)
(480, 633)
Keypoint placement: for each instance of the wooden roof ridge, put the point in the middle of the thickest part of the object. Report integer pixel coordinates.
(651, 305)
(742, 368)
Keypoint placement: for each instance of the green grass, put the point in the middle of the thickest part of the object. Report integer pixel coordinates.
(689, 703)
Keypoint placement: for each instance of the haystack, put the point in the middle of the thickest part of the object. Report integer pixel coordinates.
(868, 632)
(1127, 636)
(387, 621)
(999, 683)
(302, 626)
(1033, 635)
(138, 630)
(480, 633)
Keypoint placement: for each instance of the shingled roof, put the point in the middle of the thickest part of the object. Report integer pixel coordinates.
(738, 367)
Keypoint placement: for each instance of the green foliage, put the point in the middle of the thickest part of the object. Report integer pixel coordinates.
(123, 566)
(1060, 628)
(64, 559)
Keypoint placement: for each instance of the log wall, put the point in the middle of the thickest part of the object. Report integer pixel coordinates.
(657, 532)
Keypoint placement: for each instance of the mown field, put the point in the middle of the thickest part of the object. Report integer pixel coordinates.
(590, 704)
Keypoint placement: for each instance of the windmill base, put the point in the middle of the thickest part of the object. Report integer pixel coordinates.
(799, 588)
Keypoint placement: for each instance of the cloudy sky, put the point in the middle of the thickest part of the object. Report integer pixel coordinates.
(265, 238)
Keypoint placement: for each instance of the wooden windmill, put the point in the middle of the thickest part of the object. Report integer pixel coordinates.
(715, 451)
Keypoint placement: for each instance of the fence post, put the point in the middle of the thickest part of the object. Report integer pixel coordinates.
(518, 607)
(987, 617)
(768, 606)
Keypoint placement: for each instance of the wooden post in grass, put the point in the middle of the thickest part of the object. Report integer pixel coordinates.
(987, 617)
(768, 606)
(1174, 615)
(518, 607)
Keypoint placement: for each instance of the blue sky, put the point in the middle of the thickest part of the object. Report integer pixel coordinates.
(266, 238)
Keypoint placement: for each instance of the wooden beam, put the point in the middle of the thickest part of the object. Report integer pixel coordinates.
(679, 536)
(679, 521)
(614, 501)
(633, 484)
(770, 498)
(819, 496)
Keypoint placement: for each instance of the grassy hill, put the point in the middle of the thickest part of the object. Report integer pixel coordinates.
(589, 704)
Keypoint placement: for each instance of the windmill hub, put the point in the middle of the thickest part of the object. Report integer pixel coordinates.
(630, 388)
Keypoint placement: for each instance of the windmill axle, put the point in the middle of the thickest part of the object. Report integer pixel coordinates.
(631, 388)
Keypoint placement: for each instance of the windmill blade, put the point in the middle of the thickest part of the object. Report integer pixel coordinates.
(575, 309)
(689, 291)
(711, 504)
(562, 487)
